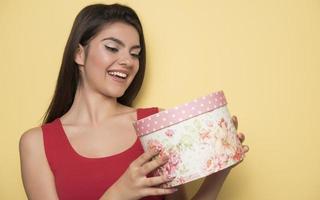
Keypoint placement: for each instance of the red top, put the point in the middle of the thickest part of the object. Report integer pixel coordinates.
(78, 177)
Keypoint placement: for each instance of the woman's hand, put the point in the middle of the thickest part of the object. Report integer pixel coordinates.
(134, 183)
(240, 135)
(212, 184)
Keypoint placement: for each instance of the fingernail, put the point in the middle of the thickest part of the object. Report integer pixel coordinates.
(156, 151)
(165, 158)
(171, 177)
(246, 148)
(174, 189)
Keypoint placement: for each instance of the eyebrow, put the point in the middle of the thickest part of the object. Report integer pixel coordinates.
(121, 43)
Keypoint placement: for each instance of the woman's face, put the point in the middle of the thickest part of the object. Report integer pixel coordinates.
(111, 61)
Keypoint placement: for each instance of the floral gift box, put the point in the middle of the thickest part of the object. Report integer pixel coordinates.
(198, 137)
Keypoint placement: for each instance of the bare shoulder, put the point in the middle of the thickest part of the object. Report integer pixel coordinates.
(38, 180)
(129, 112)
(31, 148)
(31, 139)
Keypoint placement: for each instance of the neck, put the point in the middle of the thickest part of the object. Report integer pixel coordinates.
(90, 107)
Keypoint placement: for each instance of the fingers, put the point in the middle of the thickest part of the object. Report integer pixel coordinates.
(145, 157)
(241, 137)
(159, 191)
(235, 121)
(154, 164)
(157, 180)
(245, 148)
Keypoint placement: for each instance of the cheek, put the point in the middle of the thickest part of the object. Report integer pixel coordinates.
(136, 68)
(135, 72)
(97, 63)
(100, 59)
(95, 68)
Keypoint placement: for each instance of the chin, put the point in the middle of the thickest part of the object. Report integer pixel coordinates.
(115, 93)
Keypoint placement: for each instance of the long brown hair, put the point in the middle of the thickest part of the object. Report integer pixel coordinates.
(87, 24)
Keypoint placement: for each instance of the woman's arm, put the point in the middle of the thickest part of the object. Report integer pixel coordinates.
(211, 186)
(38, 180)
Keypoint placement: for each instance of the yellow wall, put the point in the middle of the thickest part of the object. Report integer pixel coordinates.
(265, 55)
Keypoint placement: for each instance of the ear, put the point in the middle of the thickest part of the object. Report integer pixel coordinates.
(79, 56)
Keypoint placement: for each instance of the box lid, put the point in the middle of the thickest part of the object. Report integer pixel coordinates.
(179, 113)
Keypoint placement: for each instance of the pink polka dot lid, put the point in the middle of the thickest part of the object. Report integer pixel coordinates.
(180, 113)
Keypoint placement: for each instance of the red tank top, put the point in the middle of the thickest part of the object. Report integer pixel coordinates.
(81, 178)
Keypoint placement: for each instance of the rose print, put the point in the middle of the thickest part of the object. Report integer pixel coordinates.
(169, 132)
(209, 164)
(181, 180)
(209, 123)
(174, 158)
(154, 145)
(187, 141)
(239, 154)
(220, 161)
(171, 166)
(223, 124)
(212, 139)
(221, 130)
(226, 143)
(205, 135)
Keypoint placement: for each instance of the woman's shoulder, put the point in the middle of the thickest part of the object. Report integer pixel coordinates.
(31, 140)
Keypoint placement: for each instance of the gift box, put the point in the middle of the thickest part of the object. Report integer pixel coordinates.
(199, 138)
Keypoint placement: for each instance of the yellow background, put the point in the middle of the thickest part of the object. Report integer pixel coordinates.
(264, 54)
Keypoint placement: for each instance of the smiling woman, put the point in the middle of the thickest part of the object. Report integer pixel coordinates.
(87, 147)
(120, 74)
(110, 61)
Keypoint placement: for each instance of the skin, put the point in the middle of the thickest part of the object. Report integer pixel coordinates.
(94, 116)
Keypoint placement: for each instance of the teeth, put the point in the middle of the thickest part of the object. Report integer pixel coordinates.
(120, 74)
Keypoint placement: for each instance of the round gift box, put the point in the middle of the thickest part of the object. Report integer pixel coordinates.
(198, 137)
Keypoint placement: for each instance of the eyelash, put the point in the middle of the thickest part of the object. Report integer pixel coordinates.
(114, 50)
(111, 49)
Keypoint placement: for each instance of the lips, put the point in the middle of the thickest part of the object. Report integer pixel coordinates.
(118, 76)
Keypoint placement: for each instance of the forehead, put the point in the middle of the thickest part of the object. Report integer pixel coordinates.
(120, 30)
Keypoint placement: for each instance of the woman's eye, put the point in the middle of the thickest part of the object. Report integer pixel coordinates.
(135, 55)
(111, 49)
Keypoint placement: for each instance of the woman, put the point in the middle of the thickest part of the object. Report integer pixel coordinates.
(86, 147)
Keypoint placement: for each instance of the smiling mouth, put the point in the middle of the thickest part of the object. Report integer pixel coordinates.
(118, 77)
(118, 74)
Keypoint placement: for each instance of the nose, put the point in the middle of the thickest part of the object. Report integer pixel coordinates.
(124, 61)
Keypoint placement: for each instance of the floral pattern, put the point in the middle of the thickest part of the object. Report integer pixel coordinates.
(196, 147)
